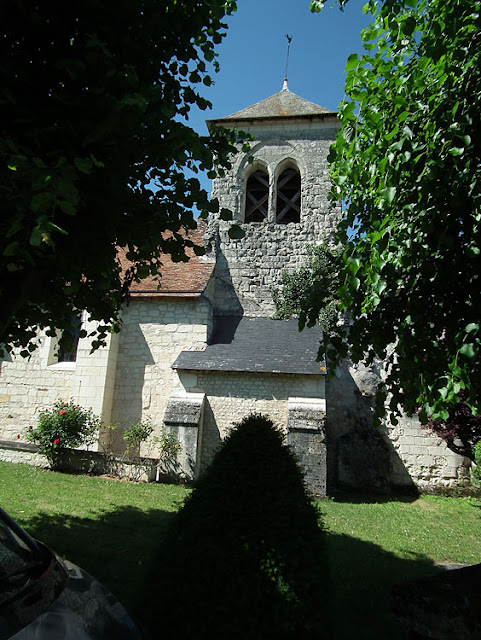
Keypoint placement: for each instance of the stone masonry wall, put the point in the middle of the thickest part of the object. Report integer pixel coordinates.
(231, 396)
(28, 386)
(248, 268)
(407, 453)
(306, 424)
(423, 456)
(154, 332)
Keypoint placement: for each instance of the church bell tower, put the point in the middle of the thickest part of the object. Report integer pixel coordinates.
(278, 193)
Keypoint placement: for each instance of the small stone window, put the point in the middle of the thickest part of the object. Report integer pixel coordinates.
(288, 202)
(257, 197)
(68, 353)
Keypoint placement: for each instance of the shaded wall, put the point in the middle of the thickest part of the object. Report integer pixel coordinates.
(362, 455)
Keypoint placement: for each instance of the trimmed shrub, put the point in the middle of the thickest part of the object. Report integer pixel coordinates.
(243, 557)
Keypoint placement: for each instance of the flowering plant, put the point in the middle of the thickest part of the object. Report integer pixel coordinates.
(65, 425)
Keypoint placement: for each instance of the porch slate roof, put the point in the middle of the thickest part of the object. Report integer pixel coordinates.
(257, 345)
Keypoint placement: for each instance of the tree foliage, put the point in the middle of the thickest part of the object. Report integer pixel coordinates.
(460, 431)
(476, 470)
(315, 282)
(407, 164)
(93, 150)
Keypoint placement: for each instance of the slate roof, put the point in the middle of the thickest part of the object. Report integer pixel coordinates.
(178, 279)
(257, 345)
(283, 104)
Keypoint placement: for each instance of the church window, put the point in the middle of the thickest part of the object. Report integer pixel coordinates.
(257, 197)
(68, 352)
(288, 202)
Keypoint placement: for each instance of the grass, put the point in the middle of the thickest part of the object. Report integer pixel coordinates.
(376, 543)
(113, 530)
(110, 528)
(440, 528)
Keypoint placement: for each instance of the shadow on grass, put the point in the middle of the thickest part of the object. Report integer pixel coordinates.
(119, 547)
(116, 546)
(350, 496)
(361, 578)
(246, 557)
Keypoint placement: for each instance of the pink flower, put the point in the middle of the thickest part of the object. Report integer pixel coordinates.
(18, 436)
(56, 441)
(61, 412)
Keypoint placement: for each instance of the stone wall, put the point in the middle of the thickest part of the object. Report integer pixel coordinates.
(29, 386)
(230, 396)
(183, 417)
(128, 380)
(424, 457)
(378, 458)
(22, 452)
(246, 269)
(306, 425)
(94, 374)
(84, 461)
(153, 334)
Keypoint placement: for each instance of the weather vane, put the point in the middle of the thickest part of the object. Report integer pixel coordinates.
(289, 38)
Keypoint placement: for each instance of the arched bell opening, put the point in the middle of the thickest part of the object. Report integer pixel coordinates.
(288, 196)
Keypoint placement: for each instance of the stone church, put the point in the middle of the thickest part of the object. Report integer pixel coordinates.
(201, 352)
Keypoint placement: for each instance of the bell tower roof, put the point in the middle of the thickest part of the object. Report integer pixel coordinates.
(283, 104)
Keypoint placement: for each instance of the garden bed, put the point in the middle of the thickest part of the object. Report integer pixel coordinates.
(96, 463)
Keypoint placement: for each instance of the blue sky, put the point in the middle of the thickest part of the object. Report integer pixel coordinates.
(252, 56)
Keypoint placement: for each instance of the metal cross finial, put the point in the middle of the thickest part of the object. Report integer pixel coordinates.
(289, 38)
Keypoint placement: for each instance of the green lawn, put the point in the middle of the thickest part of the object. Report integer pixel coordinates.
(376, 543)
(113, 529)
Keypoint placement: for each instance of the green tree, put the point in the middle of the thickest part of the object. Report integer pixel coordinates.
(93, 150)
(316, 283)
(407, 165)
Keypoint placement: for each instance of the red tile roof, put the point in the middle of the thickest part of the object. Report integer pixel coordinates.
(177, 279)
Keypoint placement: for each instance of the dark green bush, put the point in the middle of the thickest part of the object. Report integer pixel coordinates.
(243, 558)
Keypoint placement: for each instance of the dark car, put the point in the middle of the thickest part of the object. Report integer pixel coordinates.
(45, 598)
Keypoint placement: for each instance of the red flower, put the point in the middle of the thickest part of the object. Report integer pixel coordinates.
(30, 427)
(56, 441)
(18, 436)
(61, 412)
